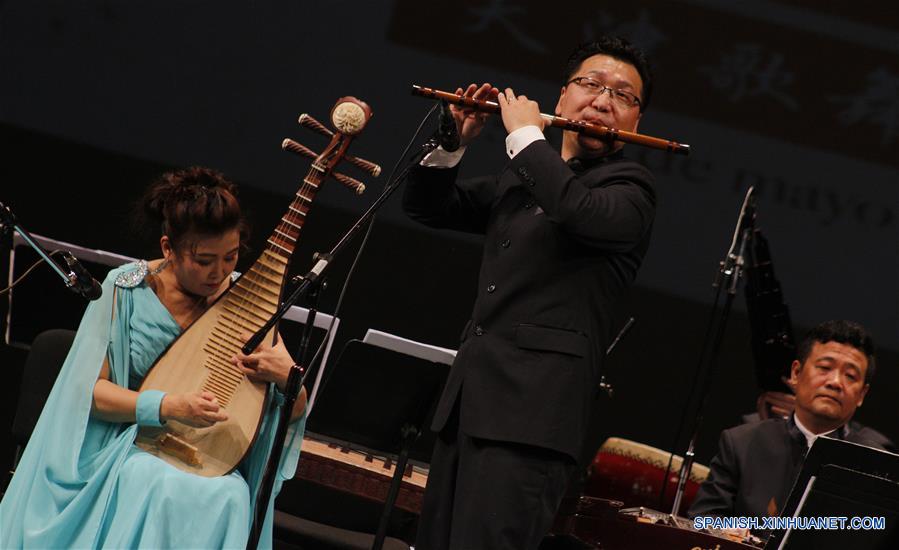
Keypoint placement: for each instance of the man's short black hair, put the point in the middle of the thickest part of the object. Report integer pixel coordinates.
(619, 48)
(842, 332)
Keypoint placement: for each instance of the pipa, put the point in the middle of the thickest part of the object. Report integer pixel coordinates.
(200, 358)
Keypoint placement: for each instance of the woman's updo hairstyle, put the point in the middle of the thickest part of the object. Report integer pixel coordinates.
(195, 201)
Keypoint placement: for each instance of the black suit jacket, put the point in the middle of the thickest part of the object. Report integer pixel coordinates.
(757, 463)
(561, 243)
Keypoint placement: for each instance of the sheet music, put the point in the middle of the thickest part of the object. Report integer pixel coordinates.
(427, 352)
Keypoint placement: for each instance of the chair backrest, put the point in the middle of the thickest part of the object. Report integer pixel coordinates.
(48, 352)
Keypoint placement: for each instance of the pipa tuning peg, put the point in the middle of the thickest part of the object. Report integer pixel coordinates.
(312, 124)
(352, 183)
(365, 165)
(300, 149)
(297, 148)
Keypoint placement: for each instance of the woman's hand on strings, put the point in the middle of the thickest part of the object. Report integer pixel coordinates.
(268, 363)
(198, 409)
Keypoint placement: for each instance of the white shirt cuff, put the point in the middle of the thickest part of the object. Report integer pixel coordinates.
(439, 158)
(521, 138)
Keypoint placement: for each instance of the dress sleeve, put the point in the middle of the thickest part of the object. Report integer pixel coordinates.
(70, 460)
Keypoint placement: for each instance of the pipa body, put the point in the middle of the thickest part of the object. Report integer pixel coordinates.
(200, 359)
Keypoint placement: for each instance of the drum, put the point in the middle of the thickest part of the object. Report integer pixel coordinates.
(633, 473)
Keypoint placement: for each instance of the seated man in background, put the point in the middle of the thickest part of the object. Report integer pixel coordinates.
(757, 463)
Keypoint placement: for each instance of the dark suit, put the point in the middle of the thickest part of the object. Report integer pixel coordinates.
(561, 243)
(757, 463)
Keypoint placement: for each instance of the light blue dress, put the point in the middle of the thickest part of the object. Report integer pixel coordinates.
(82, 483)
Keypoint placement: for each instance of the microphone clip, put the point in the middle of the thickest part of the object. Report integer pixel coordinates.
(731, 267)
(447, 132)
(79, 279)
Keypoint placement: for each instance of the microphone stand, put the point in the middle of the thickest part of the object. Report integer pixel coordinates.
(728, 277)
(303, 349)
(291, 392)
(297, 377)
(409, 433)
(325, 260)
(603, 384)
(71, 279)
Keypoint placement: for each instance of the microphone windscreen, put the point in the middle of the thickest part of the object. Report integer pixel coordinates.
(94, 292)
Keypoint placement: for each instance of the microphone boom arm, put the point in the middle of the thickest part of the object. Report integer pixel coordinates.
(71, 279)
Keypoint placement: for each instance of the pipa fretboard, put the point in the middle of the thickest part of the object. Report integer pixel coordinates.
(250, 302)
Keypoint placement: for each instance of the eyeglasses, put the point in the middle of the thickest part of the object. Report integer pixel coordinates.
(594, 87)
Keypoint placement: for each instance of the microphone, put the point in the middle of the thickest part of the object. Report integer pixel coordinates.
(80, 279)
(747, 221)
(447, 133)
(731, 268)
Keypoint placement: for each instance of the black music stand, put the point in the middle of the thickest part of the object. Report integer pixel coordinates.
(381, 400)
(843, 479)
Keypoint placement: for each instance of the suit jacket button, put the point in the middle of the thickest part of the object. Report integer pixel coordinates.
(506, 243)
(491, 287)
(528, 205)
(478, 330)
